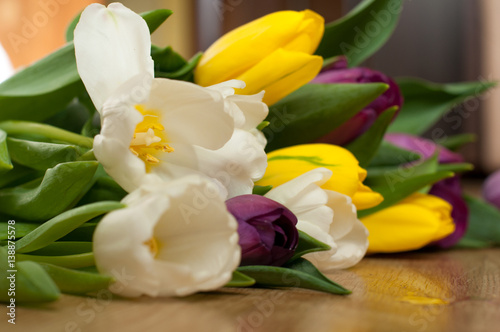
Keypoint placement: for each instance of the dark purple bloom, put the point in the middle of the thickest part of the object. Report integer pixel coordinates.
(267, 231)
(447, 189)
(491, 189)
(357, 125)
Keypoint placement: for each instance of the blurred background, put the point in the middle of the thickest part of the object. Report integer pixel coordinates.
(441, 41)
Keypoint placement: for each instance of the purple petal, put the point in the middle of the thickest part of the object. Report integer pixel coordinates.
(425, 147)
(450, 191)
(491, 189)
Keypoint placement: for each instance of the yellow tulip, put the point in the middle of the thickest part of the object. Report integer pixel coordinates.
(288, 163)
(272, 53)
(410, 224)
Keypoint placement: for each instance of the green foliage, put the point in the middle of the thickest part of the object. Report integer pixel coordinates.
(314, 110)
(308, 244)
(361, 32)
(484, 224)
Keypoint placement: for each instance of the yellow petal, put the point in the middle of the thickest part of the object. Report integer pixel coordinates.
(242, 48)
(288, 163)
(279, 74)
(409, 225)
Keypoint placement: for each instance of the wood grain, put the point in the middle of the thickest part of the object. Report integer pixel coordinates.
(456, 290)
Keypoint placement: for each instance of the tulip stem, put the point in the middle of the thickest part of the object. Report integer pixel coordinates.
(28, 128)
(87, 156)
(68, 261)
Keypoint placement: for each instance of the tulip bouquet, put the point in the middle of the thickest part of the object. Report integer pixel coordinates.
(262, 161)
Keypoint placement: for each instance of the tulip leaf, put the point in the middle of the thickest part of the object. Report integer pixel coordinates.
(5, 162)
(70, 261)
(21, 229)
(456, 167)
(83, 233)
(391, 155)
(63, 224)
(44, 198)
(484, 224)
(365, 147)
(308, 244)
(33, 284)
(41, 155)
(170, 64)
(314, 110)
(304, 265)
(18, 175)
(60, 248)
(272, 276)
(361, 32)
(76, 282)
(426, 103)
(399, 186)
(261, 190)
(455, 142)
(240, 280)
(70, 30)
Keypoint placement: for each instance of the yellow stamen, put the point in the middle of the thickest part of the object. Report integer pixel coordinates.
(151, 159)
(153, 246)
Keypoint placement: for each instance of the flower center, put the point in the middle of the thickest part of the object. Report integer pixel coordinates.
(153, 246)
(149, 138)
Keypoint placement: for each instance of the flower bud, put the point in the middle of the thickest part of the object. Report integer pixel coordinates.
(267, 231)
(357, 125)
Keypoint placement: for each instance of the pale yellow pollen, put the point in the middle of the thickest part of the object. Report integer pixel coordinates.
(153, 246)
(149, 138)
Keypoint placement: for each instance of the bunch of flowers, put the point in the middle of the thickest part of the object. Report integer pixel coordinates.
(125, 166)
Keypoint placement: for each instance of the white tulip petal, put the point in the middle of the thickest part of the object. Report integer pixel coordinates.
(112, 45)
(190, 113)
(345, 214)
(252, 108)
(195, 239)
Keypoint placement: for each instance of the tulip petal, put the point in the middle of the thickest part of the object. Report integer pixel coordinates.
(411, 224)
(112, 45)
(190, 113)
(280, 73)
(242, 48)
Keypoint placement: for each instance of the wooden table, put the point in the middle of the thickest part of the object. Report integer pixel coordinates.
(457, 290)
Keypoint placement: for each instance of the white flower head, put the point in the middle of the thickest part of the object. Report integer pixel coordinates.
(170, 240)
(155, 126)
(326, 215)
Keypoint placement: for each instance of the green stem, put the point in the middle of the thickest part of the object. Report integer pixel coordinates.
(14, 127)
(69, 261)
(87, 156)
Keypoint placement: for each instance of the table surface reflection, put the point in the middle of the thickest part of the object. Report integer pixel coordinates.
(456, 290)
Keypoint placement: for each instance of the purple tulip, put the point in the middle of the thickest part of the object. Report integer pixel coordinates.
(267, 231)
(447, 189)
(491, 189)
(357, 125)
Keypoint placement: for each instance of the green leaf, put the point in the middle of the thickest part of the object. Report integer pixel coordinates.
(70, 30)
(457, 141)
(308, 244)
(240, 280)
(314, 110)
(155, 18)
(365, 147)
(60, 248)
(18, 175)
(33, 284)
(42, 89)
(21, 229)
(401, 186)
(391, 155)
(47, 197)
(5, 163)
(305, 266)
(83, 233)
(70, 261)
(271, 276)
(484, 223)
(361, 32)
(426, 103)
(456, 167)
(261, 190)
(76, 282)
(41, 155)
(63, 224)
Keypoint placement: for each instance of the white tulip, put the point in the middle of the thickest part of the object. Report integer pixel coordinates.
(170, 240)
(328, 216)
(159, 126)
(6, 69)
